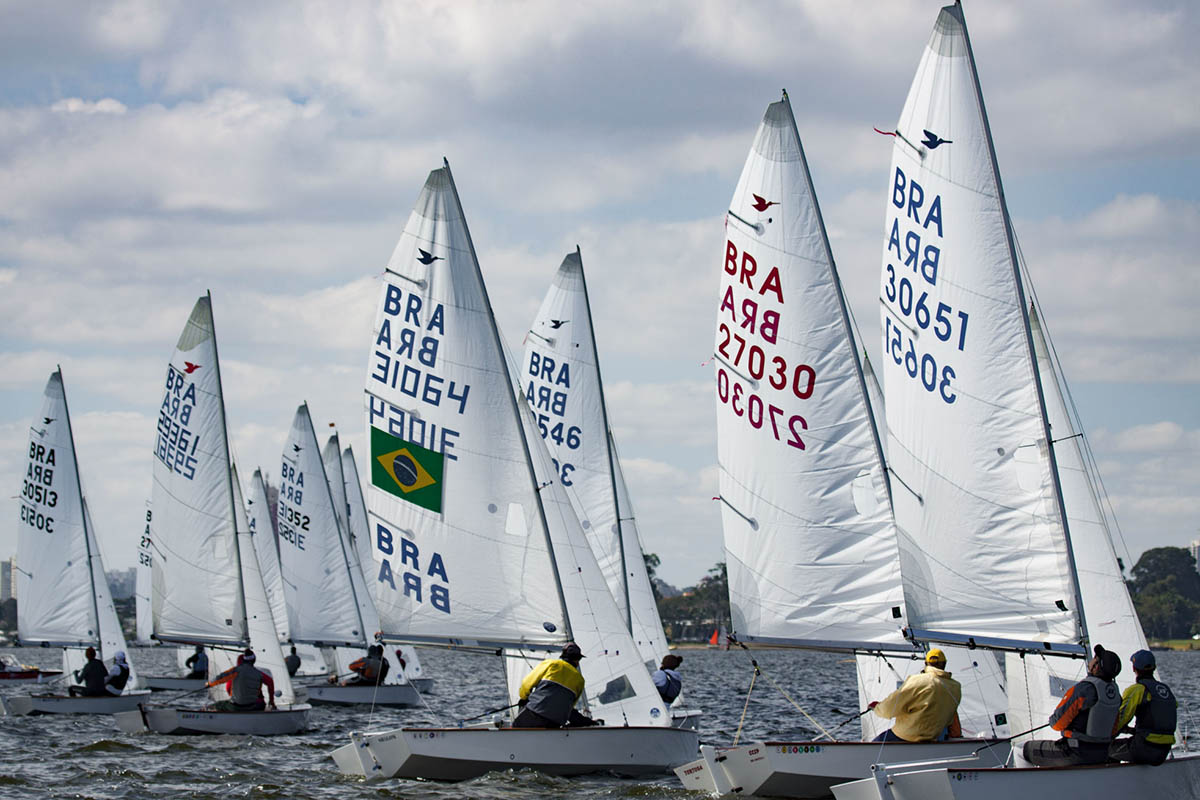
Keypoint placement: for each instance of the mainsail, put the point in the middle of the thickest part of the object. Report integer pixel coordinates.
(562, 383)
(258, 510)
(144, 581)
(809, 539)
(983, 542)
(197, 585)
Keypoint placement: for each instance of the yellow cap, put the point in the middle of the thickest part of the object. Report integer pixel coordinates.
(935, 656)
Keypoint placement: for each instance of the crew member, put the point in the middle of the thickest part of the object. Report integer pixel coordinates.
(245, 686)
(371, 669)
(118, 676)
(925, 706)
(549, 693)
(198, 662)
(1152, 707)
(292, 661)
(1086, 717)
(667, 680)
(92, 675)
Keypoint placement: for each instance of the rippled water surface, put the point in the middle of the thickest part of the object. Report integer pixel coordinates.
(87, 757)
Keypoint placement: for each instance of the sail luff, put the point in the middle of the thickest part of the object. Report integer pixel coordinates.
(342, 533)
(515, 411)
(87, 538)
(1081, 622)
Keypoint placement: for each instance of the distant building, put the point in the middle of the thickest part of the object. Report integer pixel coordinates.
(1194, 549)
(8, 583)
(122, 583)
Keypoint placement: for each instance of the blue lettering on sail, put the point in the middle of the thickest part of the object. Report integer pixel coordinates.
(176, 445)
(432, 585)
(407, 346)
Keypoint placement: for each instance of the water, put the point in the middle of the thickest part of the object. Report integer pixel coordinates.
(87, 757)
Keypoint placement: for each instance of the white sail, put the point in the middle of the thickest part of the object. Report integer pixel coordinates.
(197, 592)
(809, 540)
(456, 526)
(984, 548)
(403, 659)
(264, 637)
(53, 576)
(145, 580)
(560, 377)
(312, 557)
(112, 638)
(258, 509)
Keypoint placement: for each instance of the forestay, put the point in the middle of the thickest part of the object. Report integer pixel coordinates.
(562, 383)
(810, 546)
(258, 510)
(312, 557)
(984, 548)
(197, 592)
(456, 526)
(53, 576)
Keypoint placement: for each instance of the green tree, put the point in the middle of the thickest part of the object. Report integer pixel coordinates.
(652, 564)
(1166, 592)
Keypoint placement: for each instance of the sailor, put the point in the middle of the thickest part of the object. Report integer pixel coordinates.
(1152, 707)
(292, 661)
(371, 669)
(925, 706)
(549, 693)
(92, 676)
(118, 676)
(667, 680)
(1087, 716)
(198, 662)
(245, 685)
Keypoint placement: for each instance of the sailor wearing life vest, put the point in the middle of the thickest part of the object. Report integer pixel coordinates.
(1151, 706)
(1086, 717)
(549, 693)
(118, 675)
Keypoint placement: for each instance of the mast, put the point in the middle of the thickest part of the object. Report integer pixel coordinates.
(1080, 622)
(562, 600)
(83, 509)
(612, 478)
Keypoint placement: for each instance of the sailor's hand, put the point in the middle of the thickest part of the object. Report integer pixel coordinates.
(524, 701)
(872, 704)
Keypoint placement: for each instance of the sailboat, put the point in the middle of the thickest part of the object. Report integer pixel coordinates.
(810, 542)
(207, 585)
(361, 560)
(562, 383)
(475, 542)
(980, 439)
(326, 593)
(65, 599)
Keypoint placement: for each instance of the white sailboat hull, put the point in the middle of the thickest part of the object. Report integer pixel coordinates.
(811, 769)
(193, 721)
(171, 683)
(455, 754)
(1177, 778)
(28, 705)
(396, 694)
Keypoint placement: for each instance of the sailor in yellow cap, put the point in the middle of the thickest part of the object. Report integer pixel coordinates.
(925, 706)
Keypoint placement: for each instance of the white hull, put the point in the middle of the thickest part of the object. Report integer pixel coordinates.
(170, 683)
(687, 719)
(1177, 779)
(23, 705)
(397, 694)
(455, 754)
(187, 721)
(811, 769)
(422, 685)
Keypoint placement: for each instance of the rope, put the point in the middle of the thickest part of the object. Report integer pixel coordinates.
(746, 706)
(758, 671)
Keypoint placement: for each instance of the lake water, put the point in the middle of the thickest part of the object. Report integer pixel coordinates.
(87, 757)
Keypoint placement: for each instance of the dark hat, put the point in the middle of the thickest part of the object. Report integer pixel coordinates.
(1109, 663)
(1143, 659)
(248, 656)
(572, 651)
(671, 661)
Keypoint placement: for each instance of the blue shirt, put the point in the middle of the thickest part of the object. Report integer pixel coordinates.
(668, 683)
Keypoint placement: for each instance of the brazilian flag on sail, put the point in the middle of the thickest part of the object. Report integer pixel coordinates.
(406, 470)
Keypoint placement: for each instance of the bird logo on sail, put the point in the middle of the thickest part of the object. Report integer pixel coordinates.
(558, 323)
(47, 420)
(427, 257)
(189, 367)
(406, 470)
(933, 141)
(761, 204)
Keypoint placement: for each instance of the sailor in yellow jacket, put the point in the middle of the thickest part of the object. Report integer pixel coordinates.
(925, 706)
(549, 693)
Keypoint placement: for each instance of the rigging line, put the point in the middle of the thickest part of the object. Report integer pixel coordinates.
(745, 707)
(756, 226)
(758, 671)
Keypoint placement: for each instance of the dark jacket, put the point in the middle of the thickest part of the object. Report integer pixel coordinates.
(92, 676)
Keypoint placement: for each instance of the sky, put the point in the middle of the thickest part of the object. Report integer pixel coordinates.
(271, 153)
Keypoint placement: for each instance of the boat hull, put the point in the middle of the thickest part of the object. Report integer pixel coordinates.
(32, 705)
(455, 754)
(398, 694)
(422, 685)
(197, 722)
(1177, 778)
(28, 676)
(170, 683)
(811, 769)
